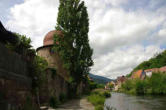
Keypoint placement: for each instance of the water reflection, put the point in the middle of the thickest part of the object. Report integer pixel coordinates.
(122, 101)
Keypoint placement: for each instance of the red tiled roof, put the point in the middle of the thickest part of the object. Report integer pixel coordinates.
(162, 69)
(152, 70)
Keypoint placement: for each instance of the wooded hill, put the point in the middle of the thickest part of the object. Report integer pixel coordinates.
(159, 60)
(100, 79)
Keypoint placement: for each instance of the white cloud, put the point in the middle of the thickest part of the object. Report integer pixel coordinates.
(118, 36)
(122, 61)
(116, 2)
(34, 18)
(162, 33)
(118, 28)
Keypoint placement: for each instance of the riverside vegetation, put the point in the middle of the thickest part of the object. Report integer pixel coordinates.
(98, 95)
(97, 98)
(155, 85)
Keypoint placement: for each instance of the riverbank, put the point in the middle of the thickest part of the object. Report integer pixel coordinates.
(97, 97)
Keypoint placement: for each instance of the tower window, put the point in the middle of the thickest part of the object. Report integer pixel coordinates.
(51, 51)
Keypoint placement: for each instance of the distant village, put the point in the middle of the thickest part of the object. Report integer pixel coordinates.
(139, 74)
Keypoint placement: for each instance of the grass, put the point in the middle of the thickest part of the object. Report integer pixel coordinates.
(97, 98)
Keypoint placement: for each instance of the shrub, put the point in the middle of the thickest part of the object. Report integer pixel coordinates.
(157, 83)
(92, 85)
(99, 107)
(100, 86)
(140, 86)
(128, 85)
(96, 99)
(28, 105)
(107, 94)
(62, 97)
(53, 102)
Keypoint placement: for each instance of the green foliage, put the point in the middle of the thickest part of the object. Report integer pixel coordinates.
(53, 102)
(111, 86)
(97, 98)
(157, 83)
(99, 107)
(62, 97)
(128, 86)
(128, 75)
(37, 69)
(94, 85)
(107, 94)
(29, 105)
(153, 85)
(73, 45)
(54, 72)
(22, 47)
(140, 86)
(157, 61)
(2, 95)
(100, 86)
(36, 64)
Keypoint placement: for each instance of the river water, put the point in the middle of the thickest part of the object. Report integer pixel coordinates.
(121, 101)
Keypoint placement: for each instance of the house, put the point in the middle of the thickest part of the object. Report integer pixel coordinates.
(149, 72)
(107, 86)
(120, 80)
(138, 74)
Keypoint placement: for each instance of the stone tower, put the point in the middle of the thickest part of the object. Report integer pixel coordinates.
(53, 59)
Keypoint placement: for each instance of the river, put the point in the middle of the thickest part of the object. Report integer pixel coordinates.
(122, 101)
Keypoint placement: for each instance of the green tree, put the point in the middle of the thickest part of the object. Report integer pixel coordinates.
(22, 46)
(73, 45)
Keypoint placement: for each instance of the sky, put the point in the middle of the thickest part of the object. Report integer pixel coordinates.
(123, 33)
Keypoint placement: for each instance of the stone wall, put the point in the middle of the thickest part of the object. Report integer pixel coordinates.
(15, 86)
(53, 60)
(13, 94)
(55, 86)
(57, 76)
